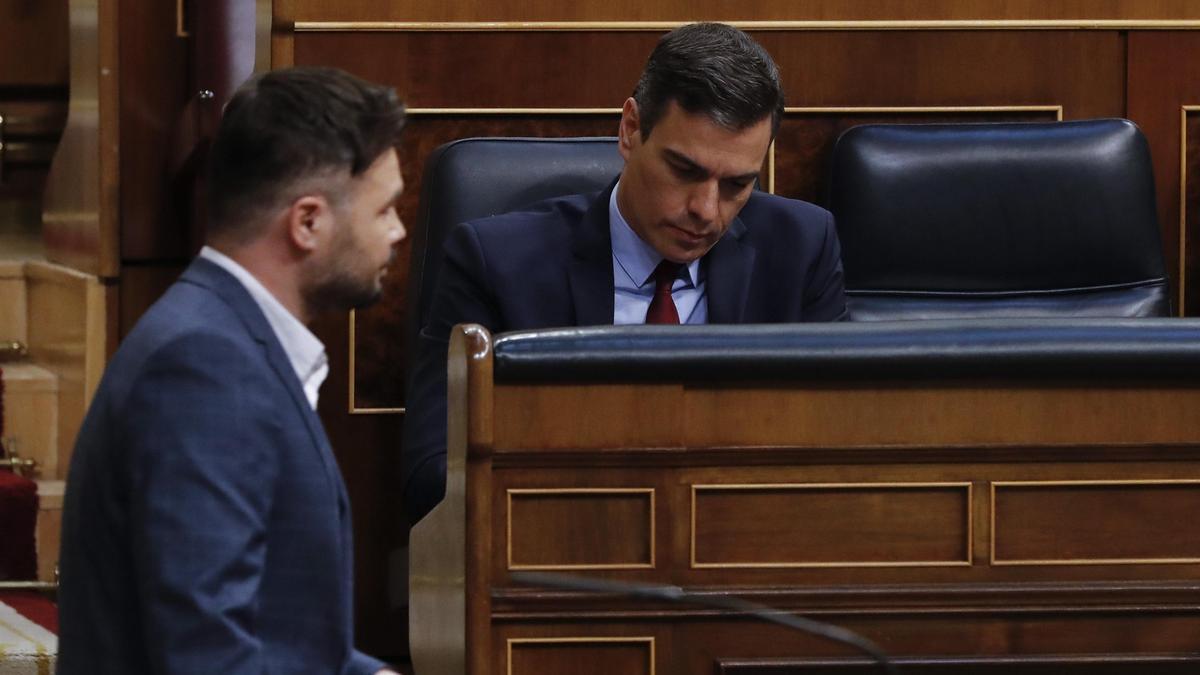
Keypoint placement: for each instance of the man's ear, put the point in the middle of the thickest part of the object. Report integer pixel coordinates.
(308, 220)
(629, 133)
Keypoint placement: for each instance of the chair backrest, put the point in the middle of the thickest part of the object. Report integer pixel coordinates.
(991, 220)
(477, 177)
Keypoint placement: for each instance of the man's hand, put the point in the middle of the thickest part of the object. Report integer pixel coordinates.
(387, 671)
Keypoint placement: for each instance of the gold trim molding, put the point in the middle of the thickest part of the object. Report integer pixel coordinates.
(508, 532)
(760, 487)
(648, 640)
(661, 26)
(1018, 562)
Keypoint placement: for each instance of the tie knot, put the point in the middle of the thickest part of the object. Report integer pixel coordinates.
(665, 274)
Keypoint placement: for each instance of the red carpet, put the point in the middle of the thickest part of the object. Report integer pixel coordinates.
(18, 520)
(33, 606)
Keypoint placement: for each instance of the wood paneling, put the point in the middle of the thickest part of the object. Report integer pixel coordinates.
(580, 656)
(33, 43)
(1121, 521)
(803, 525)
(804, 144)
(716, 10)
(154, 80)
(564, 528)
(1112, 664)
(1189, 205)
(1164, 76)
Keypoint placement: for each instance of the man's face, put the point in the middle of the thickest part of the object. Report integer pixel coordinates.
(684, 185)
(366, 229)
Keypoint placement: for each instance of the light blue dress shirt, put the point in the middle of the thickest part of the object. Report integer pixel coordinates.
(633, 276)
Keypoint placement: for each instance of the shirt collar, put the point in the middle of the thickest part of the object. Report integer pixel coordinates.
(634, 256)
(304, 351)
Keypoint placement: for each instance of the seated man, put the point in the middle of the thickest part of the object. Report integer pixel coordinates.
(680, 237)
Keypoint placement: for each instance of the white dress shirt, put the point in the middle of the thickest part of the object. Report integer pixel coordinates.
(303, 349)
(633, 276)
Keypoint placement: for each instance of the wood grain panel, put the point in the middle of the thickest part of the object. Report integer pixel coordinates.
(830, 525)
(380, 352)
(1081, 523)
(33, 43)
(153, 84)
(972, 665)
(588, 528)
(717, 10)
(1083, 71)
(500, 69)
(1189, 204)
(804, 144)
(924, 415)
(580, 656)
(1164, 75)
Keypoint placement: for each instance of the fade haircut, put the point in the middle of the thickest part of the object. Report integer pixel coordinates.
(711, 69)
(288, 132)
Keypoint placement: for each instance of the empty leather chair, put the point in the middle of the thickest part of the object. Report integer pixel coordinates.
(477, 177)
(995, 220)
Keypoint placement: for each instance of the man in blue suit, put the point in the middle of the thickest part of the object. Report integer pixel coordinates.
(206, 528)
(680, 237)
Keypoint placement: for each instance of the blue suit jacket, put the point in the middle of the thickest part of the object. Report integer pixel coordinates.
(206, 527)
(551, 266)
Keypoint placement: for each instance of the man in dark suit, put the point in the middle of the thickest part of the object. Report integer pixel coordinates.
(206, 526)
(681, 237)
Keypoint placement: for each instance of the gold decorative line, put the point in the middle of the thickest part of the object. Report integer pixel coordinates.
(1081, 561)
(868, 110)
(353, 409)
(512, 111)
(581, 491)
(1183, 145)
(649, 640)
(768, 487)
(658, 26)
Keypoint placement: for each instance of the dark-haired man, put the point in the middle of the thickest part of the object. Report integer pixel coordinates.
(681, 237)
(206, 528)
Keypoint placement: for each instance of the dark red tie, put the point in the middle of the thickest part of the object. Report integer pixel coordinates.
(662, 307)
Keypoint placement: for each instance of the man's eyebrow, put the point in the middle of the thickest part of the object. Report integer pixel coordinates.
(692, 165)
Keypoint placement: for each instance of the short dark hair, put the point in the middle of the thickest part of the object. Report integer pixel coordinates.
(714, 69)
(286, 126)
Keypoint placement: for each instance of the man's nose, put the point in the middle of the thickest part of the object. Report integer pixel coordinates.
(703, 201)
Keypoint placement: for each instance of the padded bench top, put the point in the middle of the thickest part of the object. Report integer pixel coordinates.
(1093, 349)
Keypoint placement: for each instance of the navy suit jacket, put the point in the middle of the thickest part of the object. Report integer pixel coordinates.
(551, 266)
(206, 528)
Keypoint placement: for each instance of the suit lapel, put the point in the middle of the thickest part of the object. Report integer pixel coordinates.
(590, 272)
(210, 275)
(730, 263)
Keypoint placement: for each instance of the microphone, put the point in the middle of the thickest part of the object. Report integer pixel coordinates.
(676, 594)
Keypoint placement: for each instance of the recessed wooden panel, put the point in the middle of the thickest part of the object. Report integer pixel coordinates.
(1081, 70)
(1189, 221)
(1159, 664)
(581, 656)
(586, 528)
(804, 145)
(1095, 522)
(831, 525)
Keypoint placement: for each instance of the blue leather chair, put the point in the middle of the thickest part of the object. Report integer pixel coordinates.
(998, 220)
